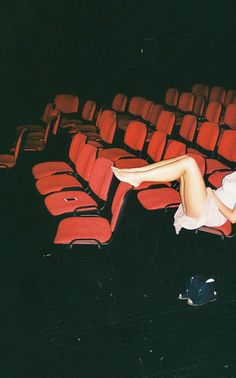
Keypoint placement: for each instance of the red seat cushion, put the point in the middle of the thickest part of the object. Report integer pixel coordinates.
(213, 165)
(131, 163)
(83, 228)
(51, 184)
(216, 178)
(67, 202)
(47, 169)
(160, 198)
(114, 153)
(224, 230)
(7, 161)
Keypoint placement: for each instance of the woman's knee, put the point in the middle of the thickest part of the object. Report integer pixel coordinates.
(191, 163)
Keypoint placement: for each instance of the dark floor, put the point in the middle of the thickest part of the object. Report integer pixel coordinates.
(111, 313)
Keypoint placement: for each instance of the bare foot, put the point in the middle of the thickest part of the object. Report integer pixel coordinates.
(125, 176)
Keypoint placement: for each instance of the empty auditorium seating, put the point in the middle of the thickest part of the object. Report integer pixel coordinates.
(55, 167)
(41, 126)
(67, 181)
(217, 93)
(94, 230)
(225, 158)
(9, 160)
(99, 185)
(66, 103)
(212, 112)
(229, 118)
(165, 123)
(171, 98)
(206, 140)
(107, 132)
(133, 143)
(119, 102)
(36, 142)
(87, 115)
(230, 97)
(200, 89)
(187, 129)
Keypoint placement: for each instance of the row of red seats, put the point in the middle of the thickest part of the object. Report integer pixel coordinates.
(159, 147)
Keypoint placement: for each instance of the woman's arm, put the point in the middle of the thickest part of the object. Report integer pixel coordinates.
(225, 210)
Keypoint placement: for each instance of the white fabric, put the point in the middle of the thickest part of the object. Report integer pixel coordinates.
(211, 216)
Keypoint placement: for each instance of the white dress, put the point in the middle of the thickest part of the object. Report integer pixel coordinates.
(211, 216)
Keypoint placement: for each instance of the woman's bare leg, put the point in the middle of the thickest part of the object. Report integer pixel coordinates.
(192, 187)
(151, 166)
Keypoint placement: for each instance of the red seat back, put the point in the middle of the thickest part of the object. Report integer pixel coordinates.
(20, 143)
(156, 145)
(166, 122)
(108, 128)
(135, 105)
(67, 103)
(146, 108)
(135, 135)
(171, 97)
(119, 102)
(154, 114)
(101, 177)
(230, 97)
(208, 135)
(200, 89)
(188, 127)
(217, 93)
(186, 101)
(199, 105)
(47, 112)
(77, 143)
(226, 147)
(89, 110)
(85, 161)
(118, 203)
(174, 148)
(213, 111)
(230, 116)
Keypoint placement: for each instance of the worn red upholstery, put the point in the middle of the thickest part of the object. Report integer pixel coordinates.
(226, 150)
(213, 111)
(215, 179)
(44, 120)
(134, 140)
(135, 108)
(200, 89)
(185, 102)
(165, 123)
(107, 132)
(49, 168)
(188, 128)
(155, 151)
(77, 201)
(171, 97)
(159, 198)
(229, 119)
(10, 160)
(230, 97)
(37, 143)
(207, 138)
(199, 105)
(84, 164)
(87, 115)
(93, 230)
(119, 102)
(154, 114)
(217, 93)
(66, 103)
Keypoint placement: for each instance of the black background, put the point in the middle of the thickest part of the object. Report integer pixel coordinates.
(94, 49)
